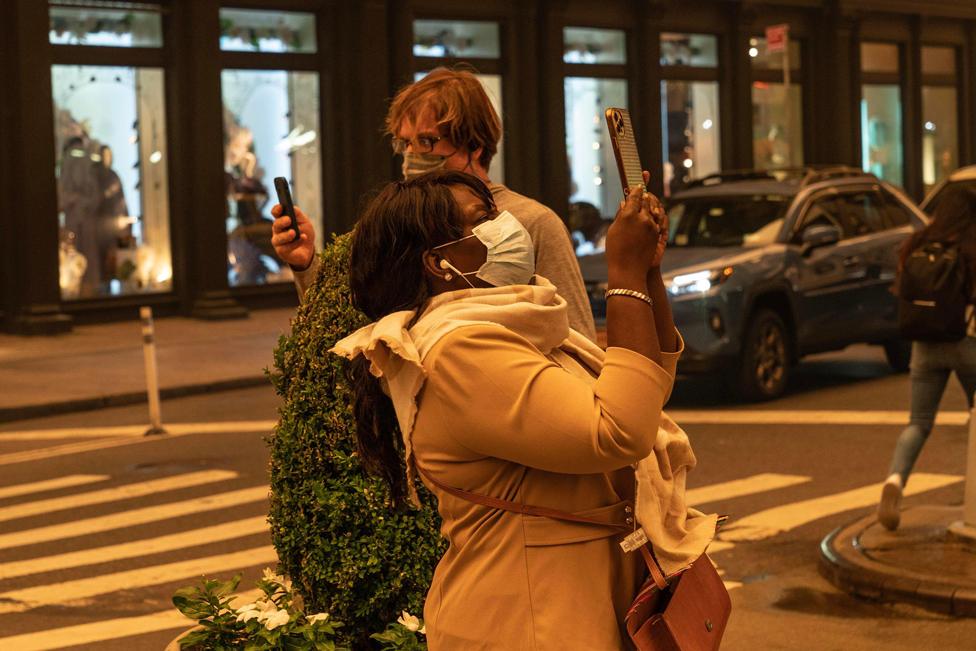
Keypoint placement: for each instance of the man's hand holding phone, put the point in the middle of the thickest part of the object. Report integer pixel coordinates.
(297, 252)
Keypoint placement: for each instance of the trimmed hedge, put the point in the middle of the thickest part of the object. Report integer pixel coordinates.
(346, 550)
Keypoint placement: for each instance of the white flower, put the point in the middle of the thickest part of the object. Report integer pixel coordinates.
(318, 617)
(423, 630)
(273, 618)
(277, 578)
(409, 621)
(247, 612)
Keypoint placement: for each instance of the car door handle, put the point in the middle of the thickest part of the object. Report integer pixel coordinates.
(851, 261)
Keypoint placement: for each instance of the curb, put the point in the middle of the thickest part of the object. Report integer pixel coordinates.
(23, 412)
(844, 565)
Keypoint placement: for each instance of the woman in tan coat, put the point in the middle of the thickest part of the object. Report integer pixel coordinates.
(472, 378)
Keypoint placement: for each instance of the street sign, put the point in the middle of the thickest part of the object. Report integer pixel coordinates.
(776, 36)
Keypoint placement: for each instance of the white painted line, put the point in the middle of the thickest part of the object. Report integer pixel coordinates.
(770, 522)
(261, 427)
(18, 601)
(807, 417)
(49, 485)
(739, 487)
(168, 543)
(133, 517)
(217, 427)
(140, 489)
(110, 629)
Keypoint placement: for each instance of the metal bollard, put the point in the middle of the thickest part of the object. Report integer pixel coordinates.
(152, 379)
(966, 528)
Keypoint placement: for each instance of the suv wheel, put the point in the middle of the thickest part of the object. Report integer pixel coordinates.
(764, 364)
(899, 354)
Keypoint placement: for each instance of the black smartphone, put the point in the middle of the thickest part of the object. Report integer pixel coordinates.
(287, 206)
(624, 148)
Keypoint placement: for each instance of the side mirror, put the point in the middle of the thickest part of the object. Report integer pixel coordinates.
(816, 236)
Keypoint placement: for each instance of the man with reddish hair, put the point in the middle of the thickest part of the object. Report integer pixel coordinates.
(446, 120)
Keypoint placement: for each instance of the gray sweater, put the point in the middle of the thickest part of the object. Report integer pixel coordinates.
(555, 258)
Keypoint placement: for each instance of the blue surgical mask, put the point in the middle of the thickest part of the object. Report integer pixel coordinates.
(511, 258)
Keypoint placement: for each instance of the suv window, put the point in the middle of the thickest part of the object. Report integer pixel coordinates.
(895, 212)
(737, 220)
(854, 213)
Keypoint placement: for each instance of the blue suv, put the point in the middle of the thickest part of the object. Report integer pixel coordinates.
(764, 267)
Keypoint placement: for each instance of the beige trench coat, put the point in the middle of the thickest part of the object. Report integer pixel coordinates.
(497, 417)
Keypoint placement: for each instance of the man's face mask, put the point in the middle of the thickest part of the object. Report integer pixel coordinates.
(511, 258)
(415, 164)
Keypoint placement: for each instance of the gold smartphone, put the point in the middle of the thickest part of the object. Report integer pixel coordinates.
(624, 147)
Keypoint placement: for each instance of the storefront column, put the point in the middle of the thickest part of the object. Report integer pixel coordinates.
(967, 142)
(836, 95)
(648, 92)
(911, 90)
(199, 203)
(31, 218)
(737, 89)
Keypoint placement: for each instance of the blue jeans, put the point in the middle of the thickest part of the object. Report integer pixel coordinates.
(931, 365)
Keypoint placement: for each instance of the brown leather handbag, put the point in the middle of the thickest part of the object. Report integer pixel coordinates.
(687, 613)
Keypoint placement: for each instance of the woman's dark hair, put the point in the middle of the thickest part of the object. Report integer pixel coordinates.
(386, 274)
(953, 220)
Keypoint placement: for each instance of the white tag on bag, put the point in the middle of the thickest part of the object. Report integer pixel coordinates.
(634, 541)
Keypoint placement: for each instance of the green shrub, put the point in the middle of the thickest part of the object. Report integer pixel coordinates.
(347, 551)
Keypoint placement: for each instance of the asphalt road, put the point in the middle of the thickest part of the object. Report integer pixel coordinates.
(91, 560)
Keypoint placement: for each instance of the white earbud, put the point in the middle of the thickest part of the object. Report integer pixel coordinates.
(445, 264)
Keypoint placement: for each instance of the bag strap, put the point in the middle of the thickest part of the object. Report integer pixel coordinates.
(555, 514)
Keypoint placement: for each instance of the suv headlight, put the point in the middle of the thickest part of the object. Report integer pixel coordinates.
(698, 282)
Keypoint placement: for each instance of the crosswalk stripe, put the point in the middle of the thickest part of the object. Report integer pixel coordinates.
(102, 444)
(67, 481)
(770, 522)
(168, 543)
(806, 417)
(738, 487)
(217, 427)
(16, 601)
(111, 629)
(134, 517)
(127, 491)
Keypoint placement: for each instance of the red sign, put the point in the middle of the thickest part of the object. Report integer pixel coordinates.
(776, 36)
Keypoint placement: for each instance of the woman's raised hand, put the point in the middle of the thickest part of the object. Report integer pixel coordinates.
(638, 235)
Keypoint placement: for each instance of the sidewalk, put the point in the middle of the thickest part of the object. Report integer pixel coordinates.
(102, 365)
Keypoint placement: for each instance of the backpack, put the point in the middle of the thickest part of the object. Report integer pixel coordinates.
(933, 292)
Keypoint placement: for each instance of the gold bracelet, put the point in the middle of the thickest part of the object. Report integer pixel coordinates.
(632, 293)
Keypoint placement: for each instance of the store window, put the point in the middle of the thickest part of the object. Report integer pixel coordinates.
(595, 187)
(940, 107)
(271, 129)
(246, 30)
(104, 27)
(882, 151)
(111, 157)
(475, 46)
(689, 108)
(777, 104)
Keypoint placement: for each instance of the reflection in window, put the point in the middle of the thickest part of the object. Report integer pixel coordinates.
(762, 58)
(104, 27)
(493, 87)
(455, 38)
(271, 128)
(110, 134)
(700, 50)
(590, 45)
(777, 119)
(939, 134)
(246, 30)
(689, 115)
(594, 179)
(881, 145)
